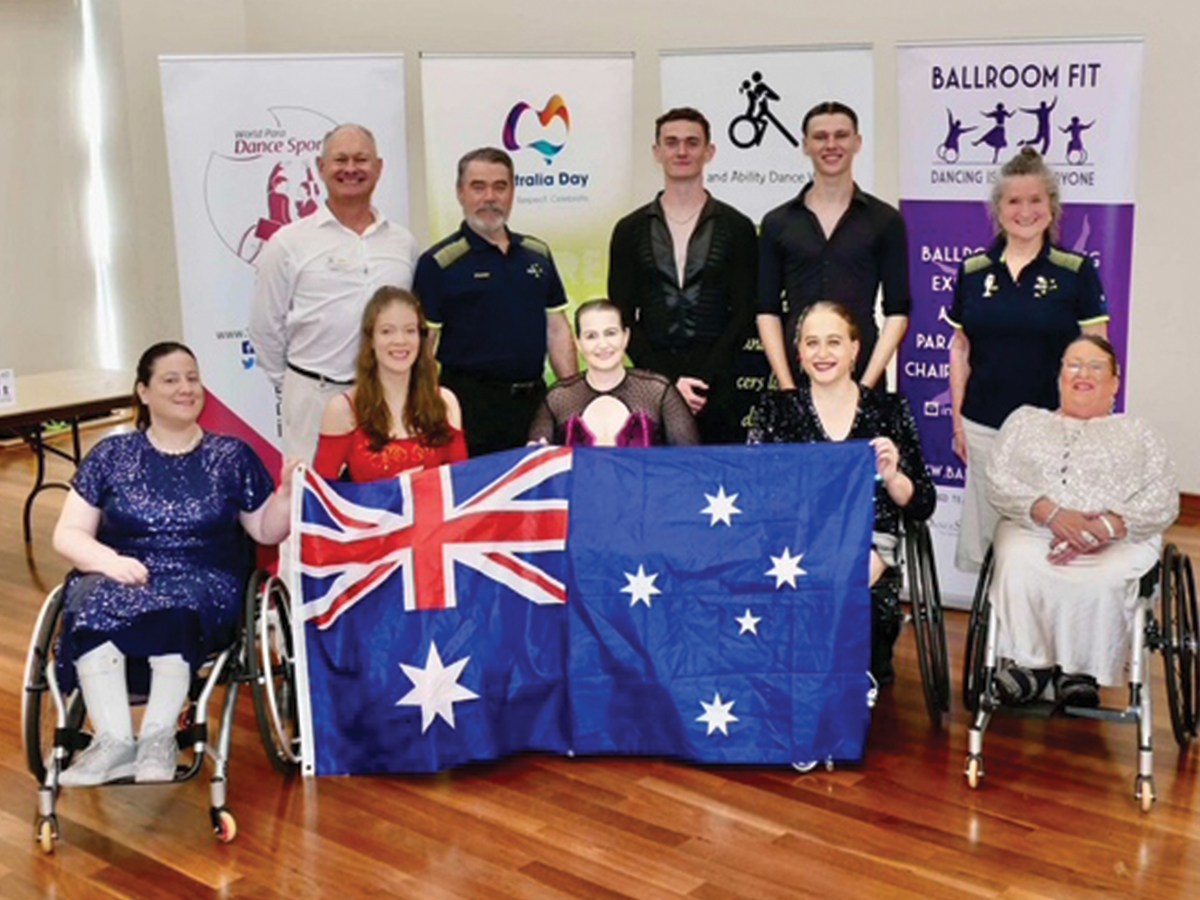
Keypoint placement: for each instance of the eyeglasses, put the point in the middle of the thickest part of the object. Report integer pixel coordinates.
(1094, 367)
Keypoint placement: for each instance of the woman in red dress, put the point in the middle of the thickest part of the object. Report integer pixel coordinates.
(396, 418)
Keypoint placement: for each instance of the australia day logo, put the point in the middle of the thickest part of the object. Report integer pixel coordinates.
(545, 133)
(263, 177)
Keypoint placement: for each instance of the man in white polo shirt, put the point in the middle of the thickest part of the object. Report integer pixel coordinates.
(314, 278)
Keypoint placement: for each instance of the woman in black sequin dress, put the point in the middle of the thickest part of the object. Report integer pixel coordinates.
(831, 406)
(153, 527)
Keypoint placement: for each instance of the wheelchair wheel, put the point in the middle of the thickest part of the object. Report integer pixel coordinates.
(271, 667)
(39, 717)
(928, 625)
(975, 654)
(1181, 660)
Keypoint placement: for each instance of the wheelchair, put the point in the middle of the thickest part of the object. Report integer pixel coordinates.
(1171, 586)
(261, 655)
(914, 577)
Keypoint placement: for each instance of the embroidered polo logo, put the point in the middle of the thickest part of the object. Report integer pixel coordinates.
(483, 274)
(1043, 286)
(990, 287)
(535, 269)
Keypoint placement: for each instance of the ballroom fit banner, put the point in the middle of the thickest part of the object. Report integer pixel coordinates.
(965, 109)
(565, 120)
(243, 137)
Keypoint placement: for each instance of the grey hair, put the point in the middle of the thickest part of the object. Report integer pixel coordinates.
(1028, 162)
(346, 126)
(484, 155)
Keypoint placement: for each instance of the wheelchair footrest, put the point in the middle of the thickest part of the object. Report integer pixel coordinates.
(71, 739)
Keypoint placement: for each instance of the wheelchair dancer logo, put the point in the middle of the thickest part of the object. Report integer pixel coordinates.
(995, 138)
(269, 179)
(749, 129)
(555, 108)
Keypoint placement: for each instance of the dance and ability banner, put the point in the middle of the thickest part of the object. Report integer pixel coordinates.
(755, 101)
(965, 109)
(243, 137)
(709, 604)
(567, 123)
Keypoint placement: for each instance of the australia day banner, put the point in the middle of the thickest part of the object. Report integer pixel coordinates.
(755, 100)
(709, 604)
(243, 137)
(965, 109)
(565, 120)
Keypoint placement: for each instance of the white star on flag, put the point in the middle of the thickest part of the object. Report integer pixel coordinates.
(717, 715)
(748, 622)
(641, 587)
(436, 688)
(786, 568)
(721, 507)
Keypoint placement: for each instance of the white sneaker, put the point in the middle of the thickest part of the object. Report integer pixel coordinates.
(106, 758)
(156, 753)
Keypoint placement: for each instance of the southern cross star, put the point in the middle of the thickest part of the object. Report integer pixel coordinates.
(748, 622)
(720, 507)
(717, 715)
(641, 587)
(786, 568)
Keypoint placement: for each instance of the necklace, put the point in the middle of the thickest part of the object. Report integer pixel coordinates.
(685, 219)
(181, 451)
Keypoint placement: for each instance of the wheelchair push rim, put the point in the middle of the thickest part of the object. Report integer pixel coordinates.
(271, 667)
(1181, 661)
(928, 624)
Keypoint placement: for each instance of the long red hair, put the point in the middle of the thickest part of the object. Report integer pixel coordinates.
(424, 408)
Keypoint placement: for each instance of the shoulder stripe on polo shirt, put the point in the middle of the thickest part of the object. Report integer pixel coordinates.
(976, 263)
(1065, 259)
(451, 252)
(1095, 320)
(535, 245)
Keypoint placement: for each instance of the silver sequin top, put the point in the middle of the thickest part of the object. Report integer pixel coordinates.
(1111, 463)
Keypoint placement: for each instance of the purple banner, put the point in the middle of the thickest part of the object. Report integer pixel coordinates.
(941, 234)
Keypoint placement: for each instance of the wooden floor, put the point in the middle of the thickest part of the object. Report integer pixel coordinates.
(1054, 818)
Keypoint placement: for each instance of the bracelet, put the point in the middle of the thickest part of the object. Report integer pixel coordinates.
(1112, 532)
(1054, 512)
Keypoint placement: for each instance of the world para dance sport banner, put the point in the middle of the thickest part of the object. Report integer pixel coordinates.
(709, 604)
(965, 109)
(755, 100)
(243, 137)
(565, 120)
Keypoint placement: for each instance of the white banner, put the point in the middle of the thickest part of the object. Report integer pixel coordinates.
(243, 137)
(566, 121)
(965, 110)
(756, 101)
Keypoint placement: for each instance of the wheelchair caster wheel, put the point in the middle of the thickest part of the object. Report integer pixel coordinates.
(224, 825)
(47, 833)
(1144, 791)
(974, 771)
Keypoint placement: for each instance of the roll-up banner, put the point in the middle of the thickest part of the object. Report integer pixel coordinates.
(243, 137)
(965, 109)
(755, 100)
(567, 123)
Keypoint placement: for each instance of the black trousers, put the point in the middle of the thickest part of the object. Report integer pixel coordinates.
(496, 414)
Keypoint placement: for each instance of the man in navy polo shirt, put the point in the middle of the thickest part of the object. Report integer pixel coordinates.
(497, 307)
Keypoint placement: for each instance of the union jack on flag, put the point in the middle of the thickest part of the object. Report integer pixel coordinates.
(435, 606)
(356, 546)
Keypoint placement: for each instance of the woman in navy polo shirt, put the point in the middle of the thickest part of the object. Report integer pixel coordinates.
(1016, 309)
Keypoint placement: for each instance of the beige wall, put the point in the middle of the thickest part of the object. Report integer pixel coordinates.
(1163, 384)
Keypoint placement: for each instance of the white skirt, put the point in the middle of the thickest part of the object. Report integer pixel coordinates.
(1077, 616)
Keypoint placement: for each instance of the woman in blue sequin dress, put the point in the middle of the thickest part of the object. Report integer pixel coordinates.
(153, 526)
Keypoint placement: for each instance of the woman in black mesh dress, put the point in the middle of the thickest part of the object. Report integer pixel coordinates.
(608, 405)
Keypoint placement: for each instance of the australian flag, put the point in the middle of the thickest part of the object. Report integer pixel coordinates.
(705, 603)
